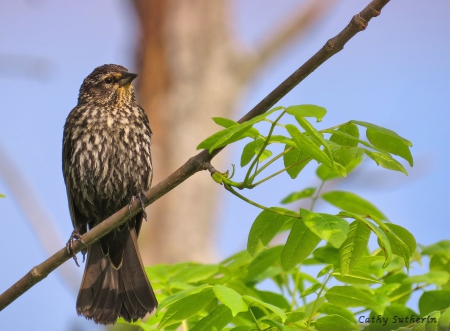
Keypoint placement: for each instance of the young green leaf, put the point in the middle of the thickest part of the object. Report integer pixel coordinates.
(230, 298)
(383, 131)
(308, 146)
(386, 161)
(273, 324)
(333, 323)
(307, 111)
(382, 237)
(353, 203)
(263, 261)
(356, 277)
(195, 273)
(328, 227)
(252, 300)
(405, 236)
(225, 136)
(180, 295)
(225, 122)
(325, 271)
(216, 320)
(299, 245)
(295, 156)
(306, 193)
(312, 289)
(434, 300)
(266, 225)
(348, 158)
(390, 144)
(315, 135)
(444, 321)
(350, 129)
(353, 247)
(186, 307)
(349, 296)
(248, 153)
(330, 309)
(437, 278)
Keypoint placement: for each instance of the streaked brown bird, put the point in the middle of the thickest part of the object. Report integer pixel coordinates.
(106, 164)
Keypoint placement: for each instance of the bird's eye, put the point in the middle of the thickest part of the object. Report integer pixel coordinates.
(108, 80)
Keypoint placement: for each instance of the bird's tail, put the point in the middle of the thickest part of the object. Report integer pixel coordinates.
(107, 293)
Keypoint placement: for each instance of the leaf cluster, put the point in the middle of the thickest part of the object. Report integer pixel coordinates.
(355, 283)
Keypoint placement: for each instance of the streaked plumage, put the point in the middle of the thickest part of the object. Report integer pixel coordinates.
(106, 162)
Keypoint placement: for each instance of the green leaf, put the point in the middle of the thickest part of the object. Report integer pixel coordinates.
(441, 247)
(312, 289)
(225, 122)
(353, 203)
(350, 129)
(195, 273)
(306, 193)
(314, 134)
(226, 136)
(405, 236)
(263, 261)
(216, 320)
(180, 295)
(252, 300)
(434, 300)
(356, 277)
(307, 111)
(390, 144)
(248, 153)
(353, 247)
(383, 131)
(235, 133)
(274, 324)
(437, 278)
(294, 156)
(325, 271)
(274, 299)
(444, 321)
(328, 227)
(2, 196)
(186, 307)
(349, 296)
(330, 309)
(308, 146)
(386, 161)
(333, 323)
(399, 246)
(266, 225)
(299, 245)
(230, 298)
(347, 158)
(382, 237)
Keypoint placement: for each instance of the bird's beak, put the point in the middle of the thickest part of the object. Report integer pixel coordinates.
(126, 78)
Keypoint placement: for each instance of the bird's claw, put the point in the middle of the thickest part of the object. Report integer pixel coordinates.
(141, 197)
(69, 246)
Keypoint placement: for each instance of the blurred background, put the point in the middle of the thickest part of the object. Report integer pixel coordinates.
(197, 59)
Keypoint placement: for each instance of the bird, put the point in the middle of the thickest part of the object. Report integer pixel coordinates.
(106, 162)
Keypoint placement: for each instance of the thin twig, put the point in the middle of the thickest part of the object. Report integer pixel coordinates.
(200, 161)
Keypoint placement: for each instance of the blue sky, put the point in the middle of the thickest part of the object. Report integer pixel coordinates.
(395, 74)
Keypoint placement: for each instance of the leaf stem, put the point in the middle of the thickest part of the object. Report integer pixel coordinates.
(266, 142)
(254, 318)
(270, 162)
(313, 202)
(230, 189)
(277, 173)
(317, 300)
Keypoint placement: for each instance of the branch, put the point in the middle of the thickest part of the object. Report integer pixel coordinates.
(293, 28)
(200, 161)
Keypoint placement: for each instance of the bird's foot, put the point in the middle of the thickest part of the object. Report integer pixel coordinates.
(141, 196)
(69, 246)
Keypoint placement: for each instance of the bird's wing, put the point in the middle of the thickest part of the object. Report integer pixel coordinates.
(78, 220)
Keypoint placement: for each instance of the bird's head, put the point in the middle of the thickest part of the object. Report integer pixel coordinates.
(108, 84)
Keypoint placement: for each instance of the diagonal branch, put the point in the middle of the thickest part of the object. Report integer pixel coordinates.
(196, 163)
(291, 29)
